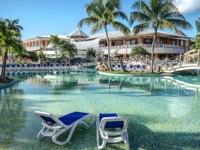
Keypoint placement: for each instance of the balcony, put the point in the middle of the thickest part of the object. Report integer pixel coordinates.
(34, 48)
(159, 48)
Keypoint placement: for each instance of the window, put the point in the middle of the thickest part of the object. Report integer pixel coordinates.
(147, 41)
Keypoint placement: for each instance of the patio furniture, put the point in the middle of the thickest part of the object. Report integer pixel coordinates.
(53, 126)
(112, 128)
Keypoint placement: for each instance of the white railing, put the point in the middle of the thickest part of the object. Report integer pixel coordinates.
(32, 48)
(159, 48)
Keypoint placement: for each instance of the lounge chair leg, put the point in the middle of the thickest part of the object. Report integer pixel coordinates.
(126, 141)
(102, 145)
(68, 138)
(98, 143)
(40, 136)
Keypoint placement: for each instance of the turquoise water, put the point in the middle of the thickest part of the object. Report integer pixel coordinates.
(163, 111)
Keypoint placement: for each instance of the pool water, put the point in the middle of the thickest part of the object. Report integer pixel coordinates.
(163, 111)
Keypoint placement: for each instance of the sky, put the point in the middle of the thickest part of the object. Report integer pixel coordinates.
(41, 17)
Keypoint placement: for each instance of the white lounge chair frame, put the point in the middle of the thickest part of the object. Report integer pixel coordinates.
(49, 130)
(112, 136)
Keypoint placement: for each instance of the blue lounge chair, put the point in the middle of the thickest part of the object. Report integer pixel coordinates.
(105, 125)
(53, 126)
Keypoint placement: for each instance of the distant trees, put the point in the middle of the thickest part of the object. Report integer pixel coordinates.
(66, 49)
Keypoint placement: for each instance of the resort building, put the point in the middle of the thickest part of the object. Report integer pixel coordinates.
(166, 44)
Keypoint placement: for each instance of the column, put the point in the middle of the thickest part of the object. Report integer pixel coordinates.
(124, 41)
(184, 46)
(157, 40)
(141, 41)
(156, 55)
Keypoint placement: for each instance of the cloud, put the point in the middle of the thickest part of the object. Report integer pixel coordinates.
(187, 6)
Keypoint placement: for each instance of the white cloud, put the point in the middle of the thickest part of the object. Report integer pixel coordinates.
(187, 6)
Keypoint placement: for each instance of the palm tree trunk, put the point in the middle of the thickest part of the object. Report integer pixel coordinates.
(12, 58)
(152, 51)
(108, 44)
(3, 69)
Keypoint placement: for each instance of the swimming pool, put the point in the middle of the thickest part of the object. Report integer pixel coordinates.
(163, 111)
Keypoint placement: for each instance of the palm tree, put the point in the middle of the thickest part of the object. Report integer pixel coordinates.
(71, 50)
(67, 49)
(54, 39)
(13, 25)
(196, 43)
(8, 38)
(158, 14)
(91, 53)
(102, 13)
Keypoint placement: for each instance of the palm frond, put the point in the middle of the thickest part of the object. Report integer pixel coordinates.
(141, 27)
(96, 28)
(166, 24)
(121, 27)
(92, 9)
(171, 15)
(108, 16)
(138, 16)
(113, 4)
(178, 23)
(88, 21)
(141, 6)
(120, 14)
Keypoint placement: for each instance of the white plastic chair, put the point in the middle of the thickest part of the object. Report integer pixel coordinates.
(105, 125)
(8, 68)
(34, 66)
(28, 67)
(57, 66)
(113, 66)
(53, 126)
(80, 65)
(51, 66)
(138, 67)
(67, 65)
(63, 66)
(131, 67)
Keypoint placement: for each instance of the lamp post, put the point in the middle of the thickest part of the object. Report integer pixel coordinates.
(56, 55)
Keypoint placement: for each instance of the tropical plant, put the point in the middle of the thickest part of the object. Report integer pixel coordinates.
(197, 23)
(54, 39)
(71, 51)
(139, 51)
(41, 55)
(13, 25)
(91, 53)
(67, 49)
(32, 55)
(102, 13)
(196, 42)
(8, 38)
(158, 14)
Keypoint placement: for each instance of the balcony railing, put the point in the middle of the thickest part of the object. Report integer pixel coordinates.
(32, 48)
(159, 48)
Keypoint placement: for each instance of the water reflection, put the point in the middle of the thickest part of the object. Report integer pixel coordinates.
(12, 114)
